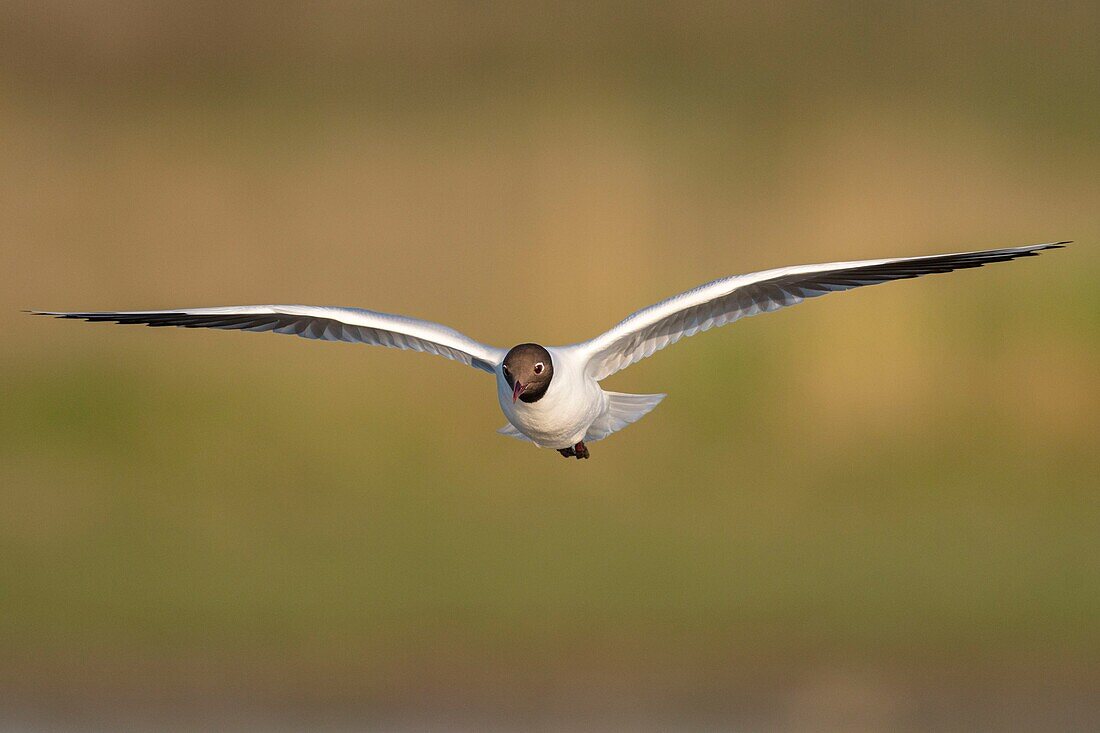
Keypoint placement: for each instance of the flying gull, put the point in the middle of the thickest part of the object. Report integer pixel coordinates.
(551, 395)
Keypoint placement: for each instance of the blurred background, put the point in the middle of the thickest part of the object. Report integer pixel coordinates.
(877, 511)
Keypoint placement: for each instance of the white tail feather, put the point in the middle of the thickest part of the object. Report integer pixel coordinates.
(622, 410)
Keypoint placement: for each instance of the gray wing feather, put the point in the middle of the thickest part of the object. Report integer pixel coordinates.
(729, 299)
(353, 325)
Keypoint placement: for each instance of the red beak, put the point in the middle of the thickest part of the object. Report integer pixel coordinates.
(517, 390)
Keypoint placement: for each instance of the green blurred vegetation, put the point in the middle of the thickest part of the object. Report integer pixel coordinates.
(881, 504)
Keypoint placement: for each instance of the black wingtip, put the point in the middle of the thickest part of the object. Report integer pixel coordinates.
(1035, 248)
(75, 316)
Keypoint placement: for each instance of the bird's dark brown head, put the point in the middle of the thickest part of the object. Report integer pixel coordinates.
(528, 370)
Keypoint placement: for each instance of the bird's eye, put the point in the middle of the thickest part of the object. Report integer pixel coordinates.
(539, 367)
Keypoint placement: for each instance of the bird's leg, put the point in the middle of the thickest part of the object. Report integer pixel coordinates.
(567, 452)
(581, 450)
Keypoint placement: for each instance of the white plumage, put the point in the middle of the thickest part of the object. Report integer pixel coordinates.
(574, 407)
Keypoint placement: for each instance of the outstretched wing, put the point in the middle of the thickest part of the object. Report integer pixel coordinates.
(354, 325)
(725, 301)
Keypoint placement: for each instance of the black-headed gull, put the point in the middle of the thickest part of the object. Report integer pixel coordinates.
(551, 395)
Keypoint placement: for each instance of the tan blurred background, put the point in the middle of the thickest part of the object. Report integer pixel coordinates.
(877, 511)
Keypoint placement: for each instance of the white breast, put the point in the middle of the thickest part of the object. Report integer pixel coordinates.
(561, 418)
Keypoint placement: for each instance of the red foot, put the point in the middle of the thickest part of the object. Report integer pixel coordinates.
(579, 451)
